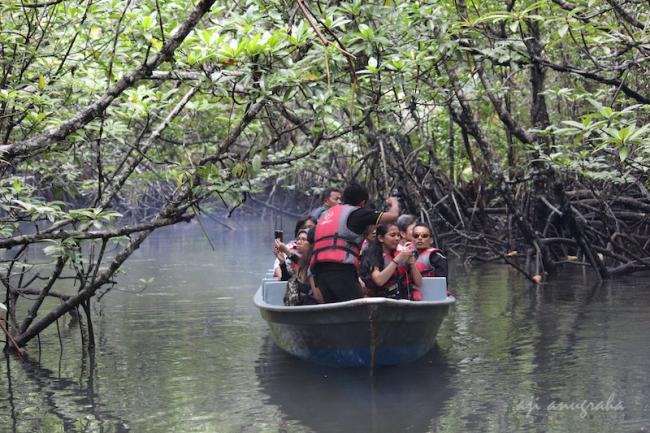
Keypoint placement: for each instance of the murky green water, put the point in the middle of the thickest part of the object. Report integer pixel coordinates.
(189, 352)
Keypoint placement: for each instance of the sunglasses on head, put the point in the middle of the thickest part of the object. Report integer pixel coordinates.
(420, 235)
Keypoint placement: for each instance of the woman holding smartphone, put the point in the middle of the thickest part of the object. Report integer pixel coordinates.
(388, 272)
(301, 289)
(302, 224)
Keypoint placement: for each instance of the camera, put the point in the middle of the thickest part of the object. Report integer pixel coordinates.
(277, 234)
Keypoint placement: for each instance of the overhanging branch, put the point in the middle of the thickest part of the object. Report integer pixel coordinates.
(43, 141)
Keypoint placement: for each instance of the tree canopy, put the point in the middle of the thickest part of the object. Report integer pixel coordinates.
(517, 128)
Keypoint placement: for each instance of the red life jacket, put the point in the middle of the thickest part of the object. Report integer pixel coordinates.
(334, 242)
(423, 263)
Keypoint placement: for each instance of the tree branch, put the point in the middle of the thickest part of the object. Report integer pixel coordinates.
(97, 234)
(42, 141)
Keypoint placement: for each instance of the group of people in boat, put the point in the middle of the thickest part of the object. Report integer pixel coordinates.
(344, 250)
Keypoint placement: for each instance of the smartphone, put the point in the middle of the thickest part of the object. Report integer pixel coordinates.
(278, 235)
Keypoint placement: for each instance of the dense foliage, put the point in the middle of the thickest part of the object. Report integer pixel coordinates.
(518, 128)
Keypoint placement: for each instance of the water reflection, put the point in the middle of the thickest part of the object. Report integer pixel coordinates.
(13, 417)
(393, 399)
(529, 356)
(65, 404)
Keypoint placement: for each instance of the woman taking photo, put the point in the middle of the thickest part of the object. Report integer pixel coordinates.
(300, 283)
(387, 272)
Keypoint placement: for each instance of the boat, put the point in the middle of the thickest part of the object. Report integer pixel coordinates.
(365, 332)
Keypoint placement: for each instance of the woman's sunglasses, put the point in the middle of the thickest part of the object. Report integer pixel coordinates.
(420, 235)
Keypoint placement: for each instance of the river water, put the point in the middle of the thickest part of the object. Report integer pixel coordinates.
(188, 352)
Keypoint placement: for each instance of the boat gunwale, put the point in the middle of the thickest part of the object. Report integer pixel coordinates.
(403, 303)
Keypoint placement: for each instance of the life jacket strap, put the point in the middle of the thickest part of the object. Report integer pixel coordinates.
(353, 252)
(336, 236)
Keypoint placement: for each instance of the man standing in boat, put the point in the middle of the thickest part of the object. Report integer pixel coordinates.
(337, 242)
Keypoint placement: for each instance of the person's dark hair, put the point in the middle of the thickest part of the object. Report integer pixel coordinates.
(425, 226)
(327, 192)
(300, 224)
(355, 193)
(373, 257)
(369, 229)
(311, 234)
(304, 262)
(404, 221)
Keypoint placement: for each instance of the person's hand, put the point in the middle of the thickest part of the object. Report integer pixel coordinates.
(412, 259)
(408, 246)
(282, 247)
(404, 255)
(392, 201)
(279, 255)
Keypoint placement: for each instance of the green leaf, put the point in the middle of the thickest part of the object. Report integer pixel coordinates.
(53, 250)
(238, 170)
(156, 43)
(257, 163)
(575, 124)
(623, 153)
